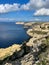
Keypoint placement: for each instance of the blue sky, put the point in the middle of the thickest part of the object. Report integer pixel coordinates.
(24, 10)
(13, 1)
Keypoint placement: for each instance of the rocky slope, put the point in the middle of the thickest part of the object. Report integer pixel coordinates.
(33, 52)
(33, 57)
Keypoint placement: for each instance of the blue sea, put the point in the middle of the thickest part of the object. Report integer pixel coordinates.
(11, 33)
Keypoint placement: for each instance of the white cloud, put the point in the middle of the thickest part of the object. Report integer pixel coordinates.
(9, 7)
(35, 4)
(42, 11)
(7, 19)
(32, 4)
(25, 6)
(37, 19)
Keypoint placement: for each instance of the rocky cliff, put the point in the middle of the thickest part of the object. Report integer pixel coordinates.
(33, 52)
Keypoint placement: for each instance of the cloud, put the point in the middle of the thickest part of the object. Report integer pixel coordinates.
(9, 7)
(42, 11)
(7, 19)
(32, 4)
(37, 19)
(35, 4)
(25, 6)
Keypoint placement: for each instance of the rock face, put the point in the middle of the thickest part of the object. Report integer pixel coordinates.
(28, 59)
(4, 53)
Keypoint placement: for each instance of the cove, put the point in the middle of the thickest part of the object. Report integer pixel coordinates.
(11, 33)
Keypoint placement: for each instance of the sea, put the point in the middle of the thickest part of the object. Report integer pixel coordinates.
(12, 33)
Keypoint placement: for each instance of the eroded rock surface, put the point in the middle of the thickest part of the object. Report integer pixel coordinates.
(33, 52)
(5, 52)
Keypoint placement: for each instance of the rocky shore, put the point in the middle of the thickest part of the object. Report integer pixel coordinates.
(33, 52)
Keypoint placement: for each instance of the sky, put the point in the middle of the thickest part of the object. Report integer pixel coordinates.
(24, 10)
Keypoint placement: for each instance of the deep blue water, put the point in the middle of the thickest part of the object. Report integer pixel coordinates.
(10, 33)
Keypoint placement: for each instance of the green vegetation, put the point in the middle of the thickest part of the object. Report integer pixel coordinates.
(44, 60)
(46, 41)
(38, 32)
(42, 63)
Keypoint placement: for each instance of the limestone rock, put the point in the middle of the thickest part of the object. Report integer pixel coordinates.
(4, 53)
(20, 23)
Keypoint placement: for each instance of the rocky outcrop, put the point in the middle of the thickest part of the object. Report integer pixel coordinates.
(6, 52)
(20, 23)
(28, 59)
(32, 52)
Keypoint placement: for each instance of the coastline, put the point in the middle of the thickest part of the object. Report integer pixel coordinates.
(35, 45)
